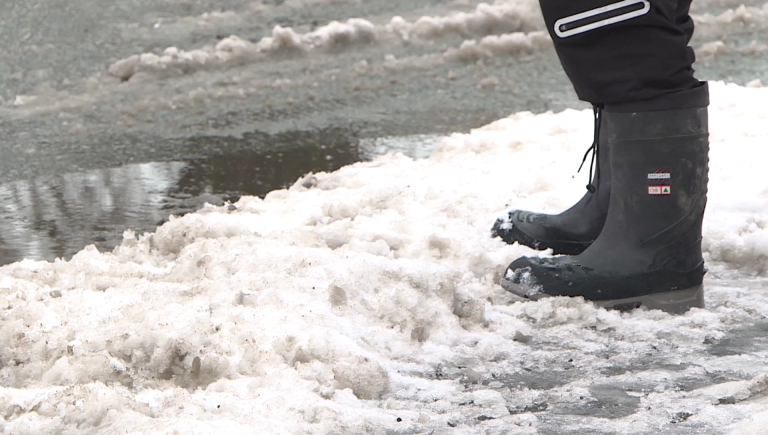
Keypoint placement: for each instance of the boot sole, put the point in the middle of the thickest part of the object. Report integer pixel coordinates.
(673, 302)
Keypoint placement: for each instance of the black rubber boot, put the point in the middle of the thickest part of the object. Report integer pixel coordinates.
(573, 230)
(649, 252)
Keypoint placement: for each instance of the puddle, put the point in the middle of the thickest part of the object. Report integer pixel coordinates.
(56, 216)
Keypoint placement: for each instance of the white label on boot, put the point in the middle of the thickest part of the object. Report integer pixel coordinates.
(659, 176)
(659, 190)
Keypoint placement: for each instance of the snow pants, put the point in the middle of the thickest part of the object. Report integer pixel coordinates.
(628, 54)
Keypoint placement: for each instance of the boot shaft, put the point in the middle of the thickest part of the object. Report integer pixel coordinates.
(659, 185)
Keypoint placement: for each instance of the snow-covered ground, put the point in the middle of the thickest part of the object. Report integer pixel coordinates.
(363, 300)
(366, 301)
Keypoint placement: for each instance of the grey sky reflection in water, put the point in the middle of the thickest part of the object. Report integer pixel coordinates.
(46, 218)
(56, 216)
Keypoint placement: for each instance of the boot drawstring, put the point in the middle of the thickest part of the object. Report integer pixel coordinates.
(597, 109)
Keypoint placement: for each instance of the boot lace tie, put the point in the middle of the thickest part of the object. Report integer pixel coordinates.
(597, 110)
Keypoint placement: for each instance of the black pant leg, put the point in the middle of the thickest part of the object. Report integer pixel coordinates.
(623, 51)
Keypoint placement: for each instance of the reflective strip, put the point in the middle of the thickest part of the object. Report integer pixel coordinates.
(602, 23)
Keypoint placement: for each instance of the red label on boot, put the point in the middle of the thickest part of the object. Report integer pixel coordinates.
(659, 190)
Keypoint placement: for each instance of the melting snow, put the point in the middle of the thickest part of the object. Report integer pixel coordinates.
(366, 301)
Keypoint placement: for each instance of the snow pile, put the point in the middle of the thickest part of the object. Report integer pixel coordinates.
(500, 45)
(715, 48)
(234, 50)
(336, 34)
(744, 15)
(472, 51)
(505, 17)
(366, 301)
(736, 225)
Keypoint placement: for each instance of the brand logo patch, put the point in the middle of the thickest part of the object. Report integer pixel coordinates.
(659, 190)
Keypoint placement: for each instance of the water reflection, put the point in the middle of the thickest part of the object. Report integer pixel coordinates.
(56, 216)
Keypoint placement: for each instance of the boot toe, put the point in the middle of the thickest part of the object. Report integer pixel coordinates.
(521, 279)
(538, 231)
(535, 278)
(515, 228)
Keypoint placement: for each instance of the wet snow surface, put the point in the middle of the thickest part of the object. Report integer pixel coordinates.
(365, 300)
(362, 299)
